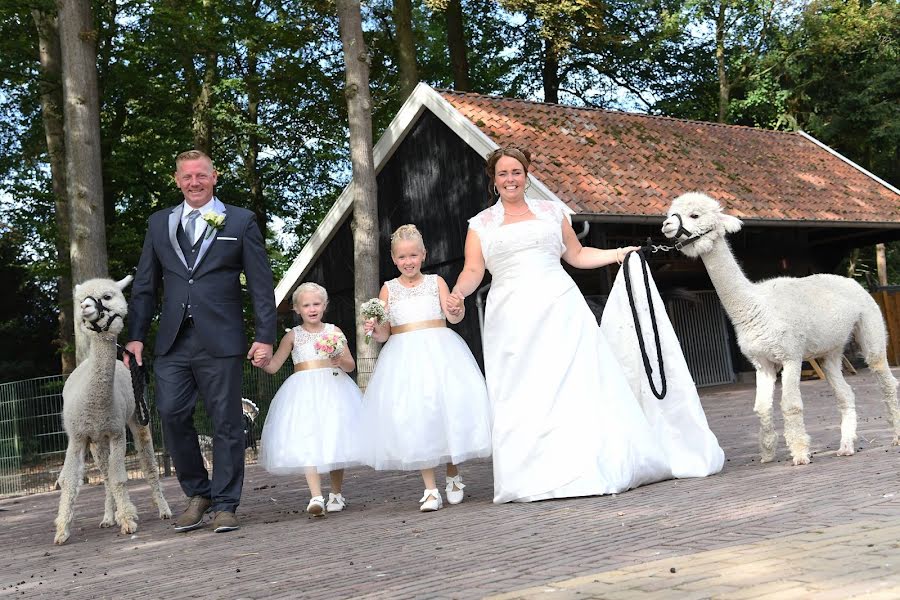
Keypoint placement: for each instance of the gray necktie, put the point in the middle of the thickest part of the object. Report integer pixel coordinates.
(190, 228)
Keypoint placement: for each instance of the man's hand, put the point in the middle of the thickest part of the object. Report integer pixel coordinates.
(136, 348)
(260, 354)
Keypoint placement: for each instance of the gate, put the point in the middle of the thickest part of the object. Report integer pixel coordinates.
(701, 326)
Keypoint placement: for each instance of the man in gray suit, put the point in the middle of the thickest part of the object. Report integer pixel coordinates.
(196, 252)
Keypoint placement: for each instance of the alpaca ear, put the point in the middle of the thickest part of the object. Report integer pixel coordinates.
(124, 282)
(77, 291)
(732, 224)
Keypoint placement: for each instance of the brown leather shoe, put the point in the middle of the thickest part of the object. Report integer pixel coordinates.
(192, 517)
(224, 520)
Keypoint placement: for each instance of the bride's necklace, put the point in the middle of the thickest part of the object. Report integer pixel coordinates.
(509, 214)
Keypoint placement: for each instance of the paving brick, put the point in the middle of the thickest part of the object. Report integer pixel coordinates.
(825, 526)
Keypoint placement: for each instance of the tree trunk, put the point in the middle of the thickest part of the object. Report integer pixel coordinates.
(881, 264)
(251, 158)
(406, 47)
(365, 195)
(84, 174)
(456, 42)
(52, 115)
(724, 88)
(550, 72)
(202, 106)
(203, 99)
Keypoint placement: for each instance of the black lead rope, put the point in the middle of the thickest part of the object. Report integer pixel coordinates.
(139, 379)
(637, 325)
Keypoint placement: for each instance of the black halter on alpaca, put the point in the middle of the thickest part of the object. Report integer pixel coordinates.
(679, 244)
(637, 325)
(101, 312)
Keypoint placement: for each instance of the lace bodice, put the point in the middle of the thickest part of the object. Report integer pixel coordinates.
(420, 303)
(304, 341)
(488, 222)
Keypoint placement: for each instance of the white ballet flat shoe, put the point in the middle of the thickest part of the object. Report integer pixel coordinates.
(455, 496)
(316, 506)
(431, 501)
(336, 503)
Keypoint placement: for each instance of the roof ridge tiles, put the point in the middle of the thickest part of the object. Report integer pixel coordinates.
(615, 112)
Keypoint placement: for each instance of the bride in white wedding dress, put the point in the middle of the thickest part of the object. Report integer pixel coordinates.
(565, 420)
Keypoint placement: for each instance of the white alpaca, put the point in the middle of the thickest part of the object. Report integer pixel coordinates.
(782, 322)
(98, 403)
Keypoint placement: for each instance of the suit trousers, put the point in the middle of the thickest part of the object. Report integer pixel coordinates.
(184, 372)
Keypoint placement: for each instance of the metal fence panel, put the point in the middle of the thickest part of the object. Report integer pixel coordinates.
(702, 329)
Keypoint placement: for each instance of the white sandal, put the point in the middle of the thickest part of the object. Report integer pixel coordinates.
(336, 503)
(431, 501)
(455, 496)
(316, 506)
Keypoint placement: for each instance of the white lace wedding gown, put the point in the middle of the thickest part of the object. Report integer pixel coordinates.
(565, 420)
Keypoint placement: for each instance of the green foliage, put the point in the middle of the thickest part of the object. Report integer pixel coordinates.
(842, 75)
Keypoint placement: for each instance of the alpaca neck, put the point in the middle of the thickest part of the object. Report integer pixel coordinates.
(102, 361)
(736, 292)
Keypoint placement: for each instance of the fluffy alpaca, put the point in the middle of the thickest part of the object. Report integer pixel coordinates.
(782, 322)
(98, 403)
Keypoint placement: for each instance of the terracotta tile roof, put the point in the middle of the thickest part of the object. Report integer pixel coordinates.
(624, 164)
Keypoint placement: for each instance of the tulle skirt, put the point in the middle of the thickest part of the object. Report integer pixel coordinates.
(314, 421)
(426, 403)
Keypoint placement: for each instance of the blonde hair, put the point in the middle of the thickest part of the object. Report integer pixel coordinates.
(309, 288)
(407, 233)
(193, 155)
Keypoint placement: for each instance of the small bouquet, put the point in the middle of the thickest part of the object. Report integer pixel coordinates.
(373, 308)
(330, 345)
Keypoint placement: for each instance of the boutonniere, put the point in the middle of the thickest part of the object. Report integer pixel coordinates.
(215, 221)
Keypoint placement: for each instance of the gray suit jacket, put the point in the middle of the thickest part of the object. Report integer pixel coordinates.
(212, 287)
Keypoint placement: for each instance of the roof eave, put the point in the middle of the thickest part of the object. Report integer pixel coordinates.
(658, 219)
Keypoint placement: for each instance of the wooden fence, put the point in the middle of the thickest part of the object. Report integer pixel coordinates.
(889, 301)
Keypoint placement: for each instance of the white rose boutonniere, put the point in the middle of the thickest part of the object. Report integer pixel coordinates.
(215, 220)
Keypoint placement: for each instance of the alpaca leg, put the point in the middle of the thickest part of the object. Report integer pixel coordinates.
(766, 375)
(126, 513)
(143, 443)
(69, 482)
(888, 385)
(101, 457)
(792, 411)
(846, 402)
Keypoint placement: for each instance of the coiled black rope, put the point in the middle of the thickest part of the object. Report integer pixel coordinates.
(139, 380)
(637, 325)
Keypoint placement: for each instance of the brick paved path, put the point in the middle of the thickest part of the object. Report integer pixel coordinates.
(827, 530)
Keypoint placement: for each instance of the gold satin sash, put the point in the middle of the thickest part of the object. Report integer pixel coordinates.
(417, 325)
(307, 365)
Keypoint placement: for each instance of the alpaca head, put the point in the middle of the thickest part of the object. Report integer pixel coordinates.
(102, 305)
(694, 214)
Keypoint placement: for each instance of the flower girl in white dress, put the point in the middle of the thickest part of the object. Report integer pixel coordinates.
(313, 424)
(426, 403)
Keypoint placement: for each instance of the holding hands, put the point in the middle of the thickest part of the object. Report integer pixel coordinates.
(260, 354)
(456, 304)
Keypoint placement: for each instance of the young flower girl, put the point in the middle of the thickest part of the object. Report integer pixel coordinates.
(313, 425)
(426, 403)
